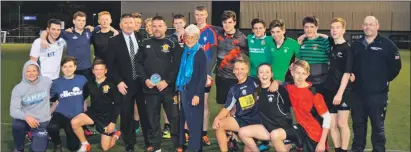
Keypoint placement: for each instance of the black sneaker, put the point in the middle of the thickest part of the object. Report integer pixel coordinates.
(58, 148)
(129, 148)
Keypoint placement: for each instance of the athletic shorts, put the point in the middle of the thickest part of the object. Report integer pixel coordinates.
(101, 120)
(245, 122)
(223, 85)
(300, 138)
(329, 98)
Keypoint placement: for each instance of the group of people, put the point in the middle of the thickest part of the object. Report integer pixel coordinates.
(136, 73)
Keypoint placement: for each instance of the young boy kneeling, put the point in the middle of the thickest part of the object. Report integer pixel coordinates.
(308, 107)
(103, 111)
(240, 98)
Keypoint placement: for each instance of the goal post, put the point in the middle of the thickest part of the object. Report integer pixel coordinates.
(3, 36)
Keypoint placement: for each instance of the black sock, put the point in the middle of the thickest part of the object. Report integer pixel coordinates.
(204, 133)
(343, 150)
(338, 149)
(166, 125)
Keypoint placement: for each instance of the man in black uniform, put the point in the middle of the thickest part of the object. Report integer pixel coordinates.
(157, 66)
(376, 63)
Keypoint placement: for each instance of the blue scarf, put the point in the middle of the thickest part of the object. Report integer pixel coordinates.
(186, 66)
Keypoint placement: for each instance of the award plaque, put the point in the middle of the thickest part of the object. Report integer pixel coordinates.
(155, 78)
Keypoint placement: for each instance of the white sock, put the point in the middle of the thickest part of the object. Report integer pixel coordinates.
(85, 143)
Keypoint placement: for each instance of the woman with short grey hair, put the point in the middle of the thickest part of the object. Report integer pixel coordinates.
(190, 83)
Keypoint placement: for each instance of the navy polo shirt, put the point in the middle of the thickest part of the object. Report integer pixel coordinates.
(78, 46)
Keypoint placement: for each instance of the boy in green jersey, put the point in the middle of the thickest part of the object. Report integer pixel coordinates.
(284, 49)
(259, 45)
(315, 49)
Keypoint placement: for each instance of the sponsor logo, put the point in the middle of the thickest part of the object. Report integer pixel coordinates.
(75, 37)
(344, 105)
(243, 87)
(148, 46)
(257, 50)
(340, 55)
(376, 48)
(34, 98)
(75, 92)
(42, 133)
(87, 35)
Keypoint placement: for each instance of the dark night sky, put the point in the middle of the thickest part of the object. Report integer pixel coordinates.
(45, 10)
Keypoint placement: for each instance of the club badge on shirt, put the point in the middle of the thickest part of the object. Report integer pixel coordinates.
(106, 88)
(315, 47)
(166, 48)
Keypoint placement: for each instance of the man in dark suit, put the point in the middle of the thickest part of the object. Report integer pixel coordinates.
(121, 61)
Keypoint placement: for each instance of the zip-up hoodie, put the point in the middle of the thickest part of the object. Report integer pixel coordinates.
(31, 98)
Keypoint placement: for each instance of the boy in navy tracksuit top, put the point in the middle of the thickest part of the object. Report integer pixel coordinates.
(69, 90)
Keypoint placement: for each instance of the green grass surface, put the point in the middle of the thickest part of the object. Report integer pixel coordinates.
(397, 123)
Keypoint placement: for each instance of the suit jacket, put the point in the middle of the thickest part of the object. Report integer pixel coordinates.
(119, 62)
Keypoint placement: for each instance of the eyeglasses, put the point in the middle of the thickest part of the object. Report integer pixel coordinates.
(190, 37)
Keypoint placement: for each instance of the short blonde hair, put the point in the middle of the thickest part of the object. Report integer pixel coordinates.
(303, 64)
(147, 20)
(192, 30)
(339, 20)
(103, 13)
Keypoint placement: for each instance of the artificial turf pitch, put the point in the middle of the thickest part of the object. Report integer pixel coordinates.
(397, 123)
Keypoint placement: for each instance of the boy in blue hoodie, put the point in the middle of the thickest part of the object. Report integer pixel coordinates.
(30, 108)
(69, 91)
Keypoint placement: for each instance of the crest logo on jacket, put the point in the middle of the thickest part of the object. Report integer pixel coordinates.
(106, 88)
(166, 48)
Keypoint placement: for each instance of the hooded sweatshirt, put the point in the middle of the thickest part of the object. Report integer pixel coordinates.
(31, 98)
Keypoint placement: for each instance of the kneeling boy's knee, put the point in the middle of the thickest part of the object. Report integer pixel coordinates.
(277, 134)
(105, 147)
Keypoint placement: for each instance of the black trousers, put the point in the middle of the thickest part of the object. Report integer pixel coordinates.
(153, 105)
(374, 107)
(127, 125)
(59, 121)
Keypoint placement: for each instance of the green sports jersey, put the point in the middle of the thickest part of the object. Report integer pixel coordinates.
(281, 57)
(259, 51)
(315, 51)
